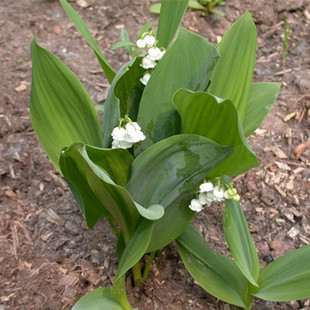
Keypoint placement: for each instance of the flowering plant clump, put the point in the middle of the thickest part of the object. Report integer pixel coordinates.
(159, 155)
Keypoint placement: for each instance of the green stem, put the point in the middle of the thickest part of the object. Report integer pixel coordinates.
(148, 265)
(137, 277)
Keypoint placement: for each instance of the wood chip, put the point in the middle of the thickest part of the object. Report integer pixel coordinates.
(298, 170)
(290, 185)
(282, 166)
(53, 217)
(290, 116)
(9, 193)
(82, 3)
(293, 232)
(280, 191)
(21, 87)
(290, 217)
(46, 236)
(300, 149)
(260, 132)
(278, 152)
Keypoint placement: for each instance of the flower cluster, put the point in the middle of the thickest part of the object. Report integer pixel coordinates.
(125, 137)
(154, 54)
(213, 191)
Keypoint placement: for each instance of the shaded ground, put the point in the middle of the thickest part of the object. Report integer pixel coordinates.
(48, 259)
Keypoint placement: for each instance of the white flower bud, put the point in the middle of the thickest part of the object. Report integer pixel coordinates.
(149, 40)
(236, 197)
(195, 205)
(144, 80)
(206, 187)
(148, 63)
(141, 43)
(134, 133)
(116, 144)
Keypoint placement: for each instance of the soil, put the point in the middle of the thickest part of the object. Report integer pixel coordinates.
(48, 258)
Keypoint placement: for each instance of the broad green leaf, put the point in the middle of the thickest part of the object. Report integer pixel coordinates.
(205, 115)
(216, 273)
(232, 75)
(61, 110)
(81, 26)
(99, 194)
(239, 240)
(196, 5)
(116, 162)
(261, 99)
(171, 15)
(123, 97)
(286, 278)
(153, 212)
(166, 174)
(112, 298)
(136, 247)
(188, 63)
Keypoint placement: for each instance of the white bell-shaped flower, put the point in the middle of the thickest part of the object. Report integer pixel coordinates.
(141, 43)
(218, 193)
(206, 198)
(206, 187)
(154, 53)
(144, 80)
(134, 133)
(195, 205)
(119, 133)
(148, 63)
(116, 144)
(149, 40)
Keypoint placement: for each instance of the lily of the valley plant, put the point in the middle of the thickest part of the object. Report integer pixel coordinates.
(173, 135)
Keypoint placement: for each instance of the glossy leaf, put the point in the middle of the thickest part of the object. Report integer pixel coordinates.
(239, 240)
(80, 25)
(232, 75)
(155, 8)
(203, 114)
(214, 272)
(136, 247)
(99, 194)
(166, 174)
(196, 5)
(261, 100)
(171, 14)
(123, 97)
(286, 278)
(61, 110)
(187, 63)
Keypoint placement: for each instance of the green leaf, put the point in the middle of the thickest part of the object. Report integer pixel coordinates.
(136, 247)
(153, 212)
(239, 240)
(214, 272)
(123, 98)
(121, 44)
(61, 110)
(261, 100)
(196, 5)
(286, 278)
(171, 15)
(97, 300)
(204, 114)
(155, 8)
(187, 63)
(232, 75)
(113, 298)
(166, 174)
(99, 194)
(81, 26)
